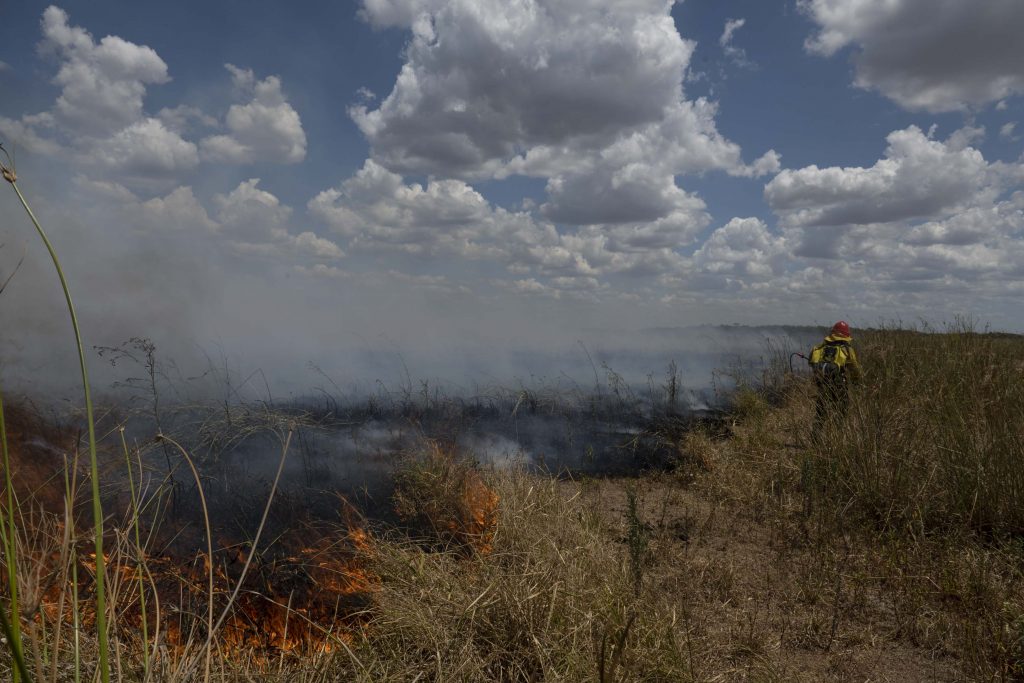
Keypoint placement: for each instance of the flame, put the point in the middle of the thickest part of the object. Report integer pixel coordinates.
(309, 593)
(481, 503)
(305, 602)
(444, 497)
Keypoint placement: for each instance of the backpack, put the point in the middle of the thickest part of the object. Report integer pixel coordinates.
(828, 360)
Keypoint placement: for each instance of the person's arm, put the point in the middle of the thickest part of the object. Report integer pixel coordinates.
(856, 372)
(811, 358)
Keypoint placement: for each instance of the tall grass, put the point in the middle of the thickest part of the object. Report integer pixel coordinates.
(934, 438)
(97, 508)
(554, 591)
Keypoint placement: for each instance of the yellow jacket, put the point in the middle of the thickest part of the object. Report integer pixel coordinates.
(851, 366)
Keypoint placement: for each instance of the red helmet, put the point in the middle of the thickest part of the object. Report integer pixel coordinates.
(841, 328)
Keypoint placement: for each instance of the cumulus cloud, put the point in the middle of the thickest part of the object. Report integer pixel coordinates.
(742, 248)
(178, 211)
(266, 128)
(931, 218)
(376, 209)
(528, 78)
(629, 194)
(248, 220)
(932, 55)
(184, 117)
(587, 96)
(102, 85)
(145, 148)
(973, 225)
(572, 288)
(583, 94)
(98, 118)
(250, 211)
(32, 132)
(919, 177)
(255, 222)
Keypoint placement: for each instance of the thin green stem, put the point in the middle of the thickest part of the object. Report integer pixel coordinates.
(97, 508)
(10, 542)
(19, 661)
(138, 558)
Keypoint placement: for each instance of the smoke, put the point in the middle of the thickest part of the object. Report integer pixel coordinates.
(217, 316)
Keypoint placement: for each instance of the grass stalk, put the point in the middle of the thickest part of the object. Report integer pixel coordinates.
(19, 660)
(97, 508)
(67, 555)
(255, 542)
(10, 542)
(138, 558)
(76, 623)
(209, 549)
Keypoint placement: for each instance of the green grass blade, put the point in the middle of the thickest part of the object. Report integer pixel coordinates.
(10, 540)
(97, 508)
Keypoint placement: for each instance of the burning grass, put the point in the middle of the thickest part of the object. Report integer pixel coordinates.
(443, 500)
(308, 593)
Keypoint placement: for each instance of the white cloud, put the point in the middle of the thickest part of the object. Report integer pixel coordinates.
(574, 288)
(98, 119)
(106, 189)
(312, 244)
(102, 85)
(731, 26)
(629, 194)
(932, 225)
(376, 209)
(31, 134)
(145, 148)
(246, 221)
(742, 248)
(1007, 131)
(581, 93)
(932, 55)
(183, 117)
(251, 212)
(737, 54)
(179, 210)
(255, 222)
(531, 80)
(918, 178)
(267, 128)
(974, 225)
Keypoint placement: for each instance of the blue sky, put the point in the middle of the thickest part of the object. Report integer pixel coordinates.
(451, 170)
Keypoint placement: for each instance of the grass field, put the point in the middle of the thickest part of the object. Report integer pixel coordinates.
(888, 549)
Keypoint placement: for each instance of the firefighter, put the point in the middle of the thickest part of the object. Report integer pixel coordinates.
(835, 367)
